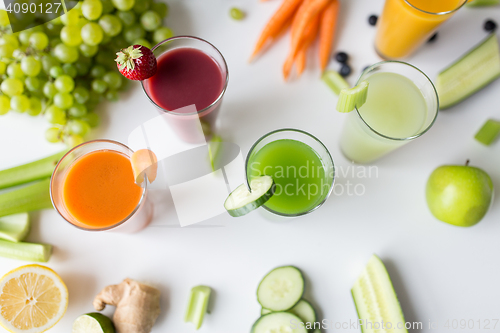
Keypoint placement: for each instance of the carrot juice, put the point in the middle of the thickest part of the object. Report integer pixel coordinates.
(407, 24)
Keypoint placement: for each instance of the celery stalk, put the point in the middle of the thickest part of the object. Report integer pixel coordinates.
(29, 172)
(15, 227)
(25, 251)
(32, 197)
(197, 306)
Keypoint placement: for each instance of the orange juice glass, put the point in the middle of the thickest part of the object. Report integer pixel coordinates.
(93, 188)
(407, 24)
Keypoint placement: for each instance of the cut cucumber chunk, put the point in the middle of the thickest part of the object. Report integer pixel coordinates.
(349, 99)
(15, 227)
(375, 298)
(489, 132)
(278, 322)
(241, 201)
(93, 322)
(335, 81)
(281, 289)
(304, 310)
(25, 251)
(197, 306)
(469, 74)
(482, 3)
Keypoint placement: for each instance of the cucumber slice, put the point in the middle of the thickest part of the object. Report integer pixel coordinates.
(304, 310)
(335, 81)
(281, 289)
(489, 132)
(264, 311)
(482, 3)
(375, 298)
(469, 74)
(197, 306)
(15, 227)
(278, 322)
(25, 251)
(349, 99)
(241, 201)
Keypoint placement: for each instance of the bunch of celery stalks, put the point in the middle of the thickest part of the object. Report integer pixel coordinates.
(23, 189)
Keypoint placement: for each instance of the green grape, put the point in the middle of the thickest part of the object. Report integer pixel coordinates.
(111, 25)
(32, 83)
(66, 54)
(97, 71)
(71, 17)
(161, 34)
(53, 43)
(49, 90)
(48, 62)
(124, 4)
(70, 70)
(53, 134)
(64, 83)
(143, 42)
(92, 33)
(92, 9)
(237, 14)
(6, 51)
(128, 18)
(4, 104)
(10, 39)
(31, 66)
(57, 20)
(63, 100)
(160, 8)
(73, 140)
(112, 96)
(113, 80)
(53, 29)
(12, 86)
(88, 50)
(77, 110)
(81, 22)
(105, 39)
(107, 7)
(20, 103)
(106, 58)
(78, 127)
(119, 43)
(134, 33)
(150, 20)
(56, 71)
(55, 115)
(70, 35)
(39, 40)
(35, 106)
(81, 95)
(4, 18)
(14, 70)
(141, 6)
(3, 67)
(82, 68)
(92, 119)
(24, 37)
(94, 98)
(99, 86)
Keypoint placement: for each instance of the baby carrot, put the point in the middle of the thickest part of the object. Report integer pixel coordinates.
(327, 32)
(275, 24)
(309, 37)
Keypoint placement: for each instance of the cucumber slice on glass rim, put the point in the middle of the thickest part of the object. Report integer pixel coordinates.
(349, 99)
(242, 201)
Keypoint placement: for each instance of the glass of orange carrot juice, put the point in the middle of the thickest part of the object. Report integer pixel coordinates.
(93, 188)
(407, 24)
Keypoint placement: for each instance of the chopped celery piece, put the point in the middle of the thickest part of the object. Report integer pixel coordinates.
(15, 227)
(31, 197)
(25, 251)
(482, 3)
(197, 306)
(214, 147)
(29, 172)
(489, 132)
(335, 81)
(352, 98)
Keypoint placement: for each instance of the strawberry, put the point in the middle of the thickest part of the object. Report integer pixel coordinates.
(136, 62)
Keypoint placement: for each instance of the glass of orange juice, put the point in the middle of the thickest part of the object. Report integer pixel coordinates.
(407, 24)
(93, 188)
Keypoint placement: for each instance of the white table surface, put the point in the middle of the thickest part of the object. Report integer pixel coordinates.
(439, 271)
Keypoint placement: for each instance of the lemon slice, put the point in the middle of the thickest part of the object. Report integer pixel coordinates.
(33, 298)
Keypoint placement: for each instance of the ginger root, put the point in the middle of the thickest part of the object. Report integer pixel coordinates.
(137, 305)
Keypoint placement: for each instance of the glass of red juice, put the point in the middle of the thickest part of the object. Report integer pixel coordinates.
(191, 71)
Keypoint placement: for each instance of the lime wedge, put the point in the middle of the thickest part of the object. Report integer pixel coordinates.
(335, 81)
(352, 98)
(14, 227)
(489, 132)
(93, 323)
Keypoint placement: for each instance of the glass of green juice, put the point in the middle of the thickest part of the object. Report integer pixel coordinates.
(402, 105)
(302, 169)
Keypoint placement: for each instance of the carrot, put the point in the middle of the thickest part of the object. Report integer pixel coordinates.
(304, 20)
(309, 37)
(287, 66)
(327, 32)
(275, 24)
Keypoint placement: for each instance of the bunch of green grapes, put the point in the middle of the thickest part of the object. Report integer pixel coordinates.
(64, 68)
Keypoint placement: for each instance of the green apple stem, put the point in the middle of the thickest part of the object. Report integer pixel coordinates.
(467, 162)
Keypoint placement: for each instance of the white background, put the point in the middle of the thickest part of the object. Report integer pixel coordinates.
(439, 271)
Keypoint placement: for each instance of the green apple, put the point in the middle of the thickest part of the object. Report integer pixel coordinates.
(459, 194)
